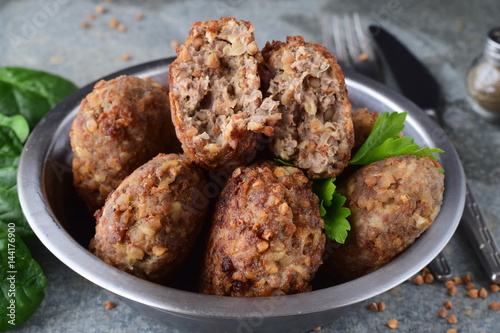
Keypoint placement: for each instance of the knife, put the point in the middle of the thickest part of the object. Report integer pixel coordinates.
(419, 86)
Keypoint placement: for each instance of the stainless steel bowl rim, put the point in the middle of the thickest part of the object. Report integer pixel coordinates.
(71, 253)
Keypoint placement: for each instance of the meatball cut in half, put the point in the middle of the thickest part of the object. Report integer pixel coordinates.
(217, 107)
(121, 124)
(267, 235)
(316, 131)
(392, 202)
(150, 222)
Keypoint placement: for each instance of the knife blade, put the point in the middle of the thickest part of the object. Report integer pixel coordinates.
(417, 84)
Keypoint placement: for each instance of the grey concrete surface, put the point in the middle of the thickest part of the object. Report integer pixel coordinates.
(446, 35)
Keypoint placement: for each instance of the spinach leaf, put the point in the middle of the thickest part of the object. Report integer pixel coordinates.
(22, 282)
(25, 97)
(31, 93)
(10, 208)
(18, 124)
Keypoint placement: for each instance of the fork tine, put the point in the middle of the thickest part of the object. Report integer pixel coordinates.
(339, 43)
(351, 38)
(364, 43)
(345, 37)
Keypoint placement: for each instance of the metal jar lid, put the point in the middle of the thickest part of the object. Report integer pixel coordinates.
(492, 45)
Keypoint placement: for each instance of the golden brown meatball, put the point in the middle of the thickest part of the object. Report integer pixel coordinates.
(266, 236)
(392, 202)
(121, 124)
(315, 132)
(217, 107)
(363, 121)
(151, 221)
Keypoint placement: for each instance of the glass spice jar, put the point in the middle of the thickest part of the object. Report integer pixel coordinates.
(483, 79)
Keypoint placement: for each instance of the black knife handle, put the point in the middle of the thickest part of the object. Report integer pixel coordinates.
(440, 267)
(480, 237)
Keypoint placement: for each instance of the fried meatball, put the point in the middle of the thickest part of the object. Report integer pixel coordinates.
(363, 121)
(392, 202)
(151, 221)
(316, 131)
(121, 124)
(266, 237)
(217, 107)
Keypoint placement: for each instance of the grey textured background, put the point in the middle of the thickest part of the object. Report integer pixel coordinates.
(446, 35)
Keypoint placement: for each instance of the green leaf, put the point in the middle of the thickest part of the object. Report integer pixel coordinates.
(336, 224)
(11, 212)
(8, 177)
(31, 93)
(324, 189)
(25, 97)
(332, 209)
(384, 141)
(281, 162)
(18, 124)
(22, 282)
(10, 145)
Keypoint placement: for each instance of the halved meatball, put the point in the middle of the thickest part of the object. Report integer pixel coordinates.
(316, 130)
(151, 221)
(267, 235)
(121, 124)
(217, 107)
(392, 202)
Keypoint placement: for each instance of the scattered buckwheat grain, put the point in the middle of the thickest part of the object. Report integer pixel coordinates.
(495, 306)
(113, 23)
(452, 291)
(418, 280)
(393, 323)
(473, 293)
(100, 9)
(449, 284)
(452, 319)
(108, 305)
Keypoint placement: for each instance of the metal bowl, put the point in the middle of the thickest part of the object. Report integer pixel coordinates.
(60, 221)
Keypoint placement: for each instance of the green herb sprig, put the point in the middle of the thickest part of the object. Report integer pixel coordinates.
(384, 141)
(332, 209)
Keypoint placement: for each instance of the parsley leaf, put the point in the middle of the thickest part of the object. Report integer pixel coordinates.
(384, 141)
(281, 162)
(332, 209)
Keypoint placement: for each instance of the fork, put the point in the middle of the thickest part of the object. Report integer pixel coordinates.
(347, 39)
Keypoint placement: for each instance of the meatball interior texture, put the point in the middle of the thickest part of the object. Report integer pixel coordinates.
(150, 222)
(112, 134)
(392, 202)
(316, 131)
(217, 107)
(266, 237)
